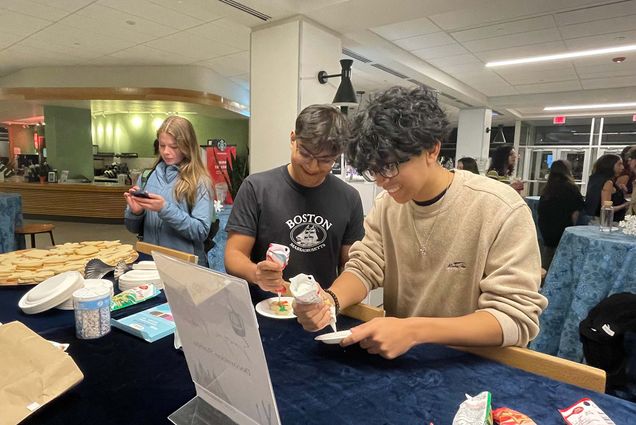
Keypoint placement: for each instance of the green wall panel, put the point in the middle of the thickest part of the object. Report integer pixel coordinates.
(68, 140)
(135, 133)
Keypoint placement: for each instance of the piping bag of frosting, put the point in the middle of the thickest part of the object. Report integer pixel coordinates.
(279, 254)
(306, 290)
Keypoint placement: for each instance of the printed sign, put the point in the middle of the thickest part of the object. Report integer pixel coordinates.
(217, 326)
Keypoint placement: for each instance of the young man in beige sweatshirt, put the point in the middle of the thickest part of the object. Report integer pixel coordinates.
(456, 253)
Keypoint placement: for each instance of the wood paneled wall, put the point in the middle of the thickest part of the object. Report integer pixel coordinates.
(70, 200)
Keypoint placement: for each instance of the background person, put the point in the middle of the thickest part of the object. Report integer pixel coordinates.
(626, 180)
(502, 166)
(300, 205)
(601, 187)
(559, 207)
(456, 253)
(468, 164)
(179, 210)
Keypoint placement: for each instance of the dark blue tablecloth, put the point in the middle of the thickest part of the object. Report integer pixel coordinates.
(129, 381)
(10, 218)
(589, 265)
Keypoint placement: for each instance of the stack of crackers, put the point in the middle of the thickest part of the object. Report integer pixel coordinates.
(36, 265)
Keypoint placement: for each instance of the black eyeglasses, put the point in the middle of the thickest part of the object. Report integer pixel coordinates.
(387, 171)
(327, 161)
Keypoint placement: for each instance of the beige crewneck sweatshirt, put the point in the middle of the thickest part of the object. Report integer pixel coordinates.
(481, 254)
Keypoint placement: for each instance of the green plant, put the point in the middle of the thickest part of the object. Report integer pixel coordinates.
(43, 169)
(237, 171)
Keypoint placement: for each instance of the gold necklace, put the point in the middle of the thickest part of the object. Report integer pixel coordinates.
(422, 246)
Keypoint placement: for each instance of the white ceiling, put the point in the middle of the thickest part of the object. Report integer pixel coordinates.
(442, 43)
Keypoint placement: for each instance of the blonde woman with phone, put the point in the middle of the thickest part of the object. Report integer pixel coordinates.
(174, 207)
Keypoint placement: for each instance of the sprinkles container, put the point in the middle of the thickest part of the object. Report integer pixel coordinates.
(92, 312)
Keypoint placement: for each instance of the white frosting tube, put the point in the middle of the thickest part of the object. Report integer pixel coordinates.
(306, 290)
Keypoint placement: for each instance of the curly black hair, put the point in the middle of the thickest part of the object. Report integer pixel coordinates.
(396, 125)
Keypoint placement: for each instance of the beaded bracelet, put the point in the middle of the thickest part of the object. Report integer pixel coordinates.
(335, 300)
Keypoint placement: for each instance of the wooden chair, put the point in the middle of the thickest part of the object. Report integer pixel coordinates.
(34, 229)
(147, 248)
(363, 312)
(556, 368)
(559, 369)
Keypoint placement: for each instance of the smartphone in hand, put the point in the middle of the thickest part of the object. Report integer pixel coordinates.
(140, 194)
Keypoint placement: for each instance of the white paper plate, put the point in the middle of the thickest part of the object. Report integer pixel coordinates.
(53, 291)
(139, 277)
(263, 308)
(145, 265)
(66, 305)
(333, 337)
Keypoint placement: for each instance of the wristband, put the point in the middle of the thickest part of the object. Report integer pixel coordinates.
(335, 300)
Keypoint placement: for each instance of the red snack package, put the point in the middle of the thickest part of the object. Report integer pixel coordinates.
(507, 416)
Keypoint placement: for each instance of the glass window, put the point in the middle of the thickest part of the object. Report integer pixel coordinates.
(618, 131)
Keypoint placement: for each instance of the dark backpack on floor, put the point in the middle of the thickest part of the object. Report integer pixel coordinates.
(602, 334)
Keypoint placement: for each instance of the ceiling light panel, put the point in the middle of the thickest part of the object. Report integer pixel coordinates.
(563, 56)
(550, 48)
(591, 106)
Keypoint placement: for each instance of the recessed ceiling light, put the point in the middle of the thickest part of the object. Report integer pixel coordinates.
(591, 106)
(619, 59)
(561, 56)
(131, 22)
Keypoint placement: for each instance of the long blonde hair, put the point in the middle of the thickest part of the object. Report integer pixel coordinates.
(192, 172)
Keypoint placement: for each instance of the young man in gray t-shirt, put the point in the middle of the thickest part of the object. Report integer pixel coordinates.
(300, 205)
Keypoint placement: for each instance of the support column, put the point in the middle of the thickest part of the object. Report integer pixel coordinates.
(472, 138)
(286, 57)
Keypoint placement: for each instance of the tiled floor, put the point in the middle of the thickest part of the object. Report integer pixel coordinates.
(66, 231)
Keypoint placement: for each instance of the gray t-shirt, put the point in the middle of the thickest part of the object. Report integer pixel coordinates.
(313, 222)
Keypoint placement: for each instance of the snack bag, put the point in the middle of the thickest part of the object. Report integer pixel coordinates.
(278, 253)
(474, 410)
(132, 296)
(585, 412)
(507, 416)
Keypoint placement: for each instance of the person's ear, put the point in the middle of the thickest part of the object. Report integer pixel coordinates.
(292, 136)
(433, 154)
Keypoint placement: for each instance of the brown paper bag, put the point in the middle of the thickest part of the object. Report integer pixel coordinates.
(32, 372)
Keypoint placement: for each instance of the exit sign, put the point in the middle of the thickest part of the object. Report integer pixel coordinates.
(558, 119)
(634, 117)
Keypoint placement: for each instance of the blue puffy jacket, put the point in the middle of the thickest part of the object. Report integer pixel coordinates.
(174, 226)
